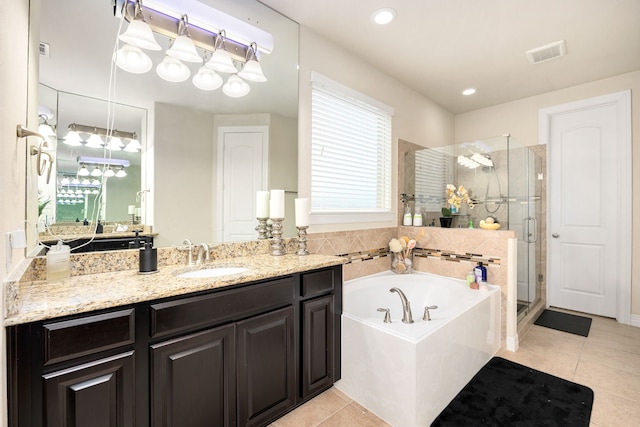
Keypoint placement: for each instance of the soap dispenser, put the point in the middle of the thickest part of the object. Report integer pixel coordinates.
(148, 260)
(408, 219)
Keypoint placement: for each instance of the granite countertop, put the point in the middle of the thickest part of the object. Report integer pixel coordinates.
(40, 300)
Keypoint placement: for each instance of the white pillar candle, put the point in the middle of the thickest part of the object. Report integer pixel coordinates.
(262, 204)
(132, 209)
(276, 204)
(302, 212)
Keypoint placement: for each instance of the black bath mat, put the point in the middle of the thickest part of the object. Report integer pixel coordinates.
(505, 393)
(564, 322)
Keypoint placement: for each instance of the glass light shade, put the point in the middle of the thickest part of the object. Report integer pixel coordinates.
(221, 61)
(87, 191)
(83, 171)
(121, 173)
(109, 172)
(75, 181)
(207, 79)
(235, 87)
(114, 144)
(78, 191)
(184, 50)
(133, 146)
(132, 59)
(139, 34)
(86, 181)
(95, 192)
(47, 131)
(64, 181)
(95, 182)
(96, 171)
(95, 141)
(173, 70)
(72, 138)
(252, 71)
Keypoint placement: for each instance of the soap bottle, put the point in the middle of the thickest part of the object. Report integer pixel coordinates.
(99, 228)
(58, 262)
(417, 219)
(481, 272)
(148, 260)
(408, 220)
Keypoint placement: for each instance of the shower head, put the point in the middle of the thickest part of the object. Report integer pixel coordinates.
(483, 159)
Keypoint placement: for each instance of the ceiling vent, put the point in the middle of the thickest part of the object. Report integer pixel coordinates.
(547, 52)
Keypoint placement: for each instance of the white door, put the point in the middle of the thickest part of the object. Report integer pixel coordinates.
(587, 179)
(244, 172)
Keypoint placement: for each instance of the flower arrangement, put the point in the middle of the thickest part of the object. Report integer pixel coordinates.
(401, 250)
(457, 196)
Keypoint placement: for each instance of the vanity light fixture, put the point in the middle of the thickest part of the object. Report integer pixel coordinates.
(132, 59)
(173, 70)
(383, 16)
(138, 33)
(220, 58)
(235, 87)
(83, 171)
(193, 32)
(183, 47)
(95, 141)
(207, 79)
(134, 145)
(45, 129)
(252, 69)
(121, 172)
(72, 137)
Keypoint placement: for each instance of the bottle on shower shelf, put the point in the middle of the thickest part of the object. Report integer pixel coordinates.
(408, 220)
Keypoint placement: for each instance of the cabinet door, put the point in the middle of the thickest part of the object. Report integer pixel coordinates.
(193, 380)
(266, 367)
(94, 394)
(317, 345)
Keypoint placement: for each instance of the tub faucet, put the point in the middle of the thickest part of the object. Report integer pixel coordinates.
(406, 306)
(202, 248)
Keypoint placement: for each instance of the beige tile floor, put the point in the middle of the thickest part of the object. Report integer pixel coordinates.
(607, 361)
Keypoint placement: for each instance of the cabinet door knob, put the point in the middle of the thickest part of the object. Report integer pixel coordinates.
(555, 235)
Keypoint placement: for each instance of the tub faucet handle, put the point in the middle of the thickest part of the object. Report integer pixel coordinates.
(427, 315)
(387, 316)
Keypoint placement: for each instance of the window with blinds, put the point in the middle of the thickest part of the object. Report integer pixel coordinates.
(434, 170)
(350, 154)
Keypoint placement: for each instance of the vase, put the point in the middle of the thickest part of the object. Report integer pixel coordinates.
(445, 221)
(401, 264)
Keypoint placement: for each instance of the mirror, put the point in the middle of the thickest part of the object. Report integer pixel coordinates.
(180, 125)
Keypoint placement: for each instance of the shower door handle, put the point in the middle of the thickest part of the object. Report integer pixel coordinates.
(555, 235)
(535, 230)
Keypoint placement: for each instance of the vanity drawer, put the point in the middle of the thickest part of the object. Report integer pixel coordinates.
(317, 283)
(73, 338)
(213, 309)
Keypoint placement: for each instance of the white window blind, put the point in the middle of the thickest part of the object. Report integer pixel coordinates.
(434, 170)
(351, 151)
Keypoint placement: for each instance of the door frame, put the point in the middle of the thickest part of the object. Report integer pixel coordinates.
(220, 166)
(622, 101)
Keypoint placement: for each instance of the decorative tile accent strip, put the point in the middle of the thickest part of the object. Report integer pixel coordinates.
(424, 253)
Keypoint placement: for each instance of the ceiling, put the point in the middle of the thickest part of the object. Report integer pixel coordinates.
(440, 47)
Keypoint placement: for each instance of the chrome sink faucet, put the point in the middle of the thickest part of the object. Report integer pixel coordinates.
(407, 317)
(202, 248)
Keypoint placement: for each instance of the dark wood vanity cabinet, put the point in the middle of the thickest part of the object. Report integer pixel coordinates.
(239, 356)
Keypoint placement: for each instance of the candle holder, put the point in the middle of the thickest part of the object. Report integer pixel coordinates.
(263, 229)
(302, 240)
(277, 247)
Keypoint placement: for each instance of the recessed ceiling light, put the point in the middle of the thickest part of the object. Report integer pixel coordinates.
(469, 91)
(383, 16)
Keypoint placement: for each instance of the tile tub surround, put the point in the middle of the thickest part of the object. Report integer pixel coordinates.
(38, 300)
(487, 243)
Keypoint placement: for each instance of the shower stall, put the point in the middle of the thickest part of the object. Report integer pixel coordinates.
(505, 180)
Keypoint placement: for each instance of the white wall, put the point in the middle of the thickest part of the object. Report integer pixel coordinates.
(184, 175)
(520, 118)
(417, 119)
(14, 54)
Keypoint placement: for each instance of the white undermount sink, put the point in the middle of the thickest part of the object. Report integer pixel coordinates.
(212, 272)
